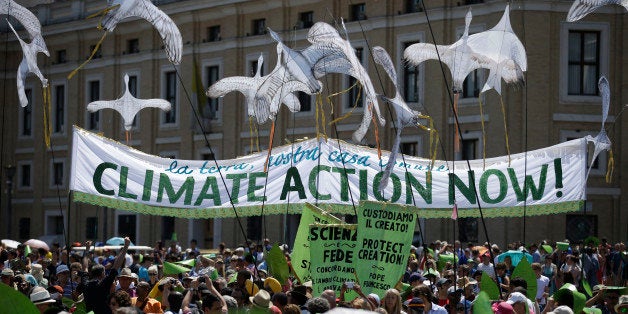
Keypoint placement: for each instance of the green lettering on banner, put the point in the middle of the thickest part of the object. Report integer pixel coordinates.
(537, 193)
(503, 186)
(383, 246)
(396, 187)
(467, 191)
(166, 185)
(148, 184)
(293, 174)
(313, 183)
(424, 191)
(344, 181)
(250, 192)
(364, 188)
(301, 253)
(210, 183)
(124, 174)
(235, 188)
(97, 177)
(333, 260)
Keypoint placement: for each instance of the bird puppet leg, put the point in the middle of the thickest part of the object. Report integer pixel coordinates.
(46, 106)
(505, 129)
(270, 145)
(483, 133)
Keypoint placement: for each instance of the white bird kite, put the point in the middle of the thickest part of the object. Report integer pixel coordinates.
(580, 8)
(405, 115)
(459, 57)
(506, 51)
(601, 141)
(330, 53)
(128, 106)
(28, 20)
(168, 30)
(28, 65)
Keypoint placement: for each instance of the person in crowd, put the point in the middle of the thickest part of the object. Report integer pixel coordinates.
(611, 298)
(100, 283)
(486, 266)
(125, 282)
(118, 299)
(298, 296)
(425, 294)
(570, 271)
(542, 285)
(550, 271)
(8, 277)
(143, 302)
(318, 305)
(42, 300)
(503, 279)
(392, 302)
(38, 273)
(63, 280)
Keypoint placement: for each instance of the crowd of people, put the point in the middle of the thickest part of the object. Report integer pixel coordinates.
(440, 278)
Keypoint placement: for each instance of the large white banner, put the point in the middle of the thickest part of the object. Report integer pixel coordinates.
(107, 173)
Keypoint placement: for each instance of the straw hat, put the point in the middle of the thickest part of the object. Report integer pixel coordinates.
(126, 272)
(41, 296)
(261, 299)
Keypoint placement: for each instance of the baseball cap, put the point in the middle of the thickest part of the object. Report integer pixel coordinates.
(62, 268)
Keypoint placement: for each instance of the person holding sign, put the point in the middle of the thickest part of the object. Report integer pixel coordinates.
(425, 293)
(360, 302)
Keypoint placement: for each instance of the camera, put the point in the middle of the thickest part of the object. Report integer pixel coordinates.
(349, 284)
(201, 279)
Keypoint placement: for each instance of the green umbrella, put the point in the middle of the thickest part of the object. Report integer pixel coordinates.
(547, 248)
(563, 246)
(173, 269)
(187, 262)
(569, 292)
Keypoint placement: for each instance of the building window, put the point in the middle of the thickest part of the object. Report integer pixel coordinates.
(61, 56)
(25, 228)
(413, 6)
(306, 101)
(356, 94)
(472, 85)
(306, 19)
(467, 2)
(469, 148)
(93, 120)
(98, 53)
(133, 91)
(253, 68)
(259, 27)
(25, 176)
(411, 80)
(468, 228)
(170, 117)
(127, 226)
(27, 114)
(207, 156)
(579, 227)
(91, 228)
(167, 228)
(409, 148)
(59, 109)
(133, 45)
(358, 12)
(212, 108)
(584, 62)
(213, 33)
(57, 174)
(254, 228)
(54, 225)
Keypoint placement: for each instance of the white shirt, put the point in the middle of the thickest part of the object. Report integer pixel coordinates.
(488, 269)
(541, 283)
(437, 309)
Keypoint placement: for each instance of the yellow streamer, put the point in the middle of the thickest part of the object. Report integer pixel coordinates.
(355, 105)
(433, 142)
(505, 128)
(46, 116)
(90, 56)
(610, 166)
(483, 133)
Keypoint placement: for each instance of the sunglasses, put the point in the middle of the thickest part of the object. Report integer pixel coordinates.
(152, 274)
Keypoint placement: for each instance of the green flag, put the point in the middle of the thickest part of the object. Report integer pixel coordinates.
(488, 285)
(173, 269)
(333, 256)
(187, 262)
(524, 270)
(13, 299)
(482, 304)
(301, 253)
(277, 264)
(384, 235)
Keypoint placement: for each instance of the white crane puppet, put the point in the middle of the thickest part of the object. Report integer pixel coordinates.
(28, 65)
(118, 10)
(128, 106)
(28, 20)
(581, 8)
